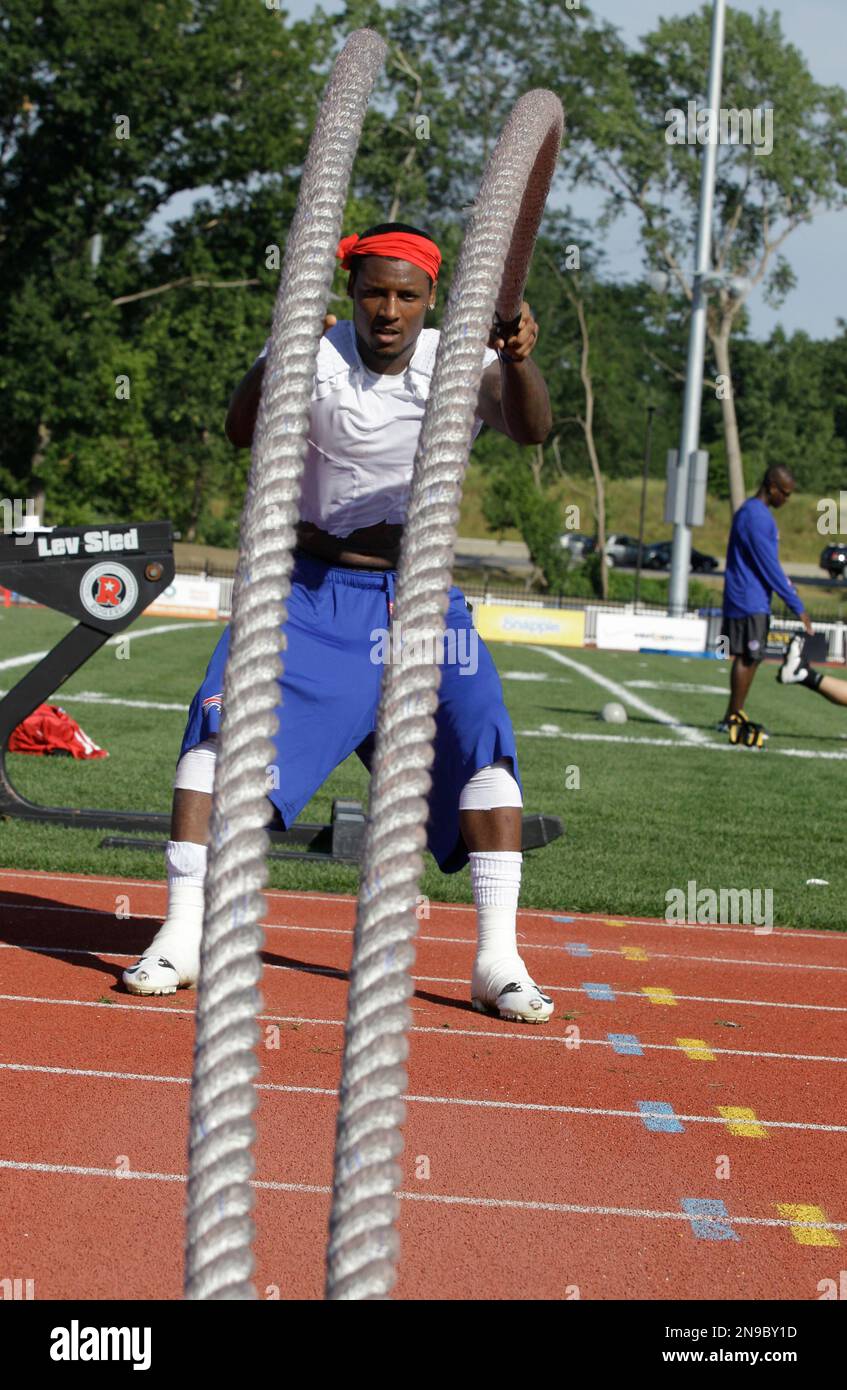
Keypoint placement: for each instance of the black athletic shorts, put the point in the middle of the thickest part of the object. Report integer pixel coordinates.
(748, 637)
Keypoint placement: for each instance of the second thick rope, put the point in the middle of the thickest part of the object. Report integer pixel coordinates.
(491, 273)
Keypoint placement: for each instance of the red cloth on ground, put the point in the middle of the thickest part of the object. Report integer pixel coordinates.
(50, 730)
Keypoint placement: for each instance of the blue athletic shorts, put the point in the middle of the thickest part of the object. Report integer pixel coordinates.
(329, 693)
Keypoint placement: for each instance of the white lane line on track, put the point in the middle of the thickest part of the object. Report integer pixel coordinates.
(30, 657)
(444, 1199)
(340, 973)
(528, 1034)
(447, 940)
(470, 1102)
(547, 915)
(634, 994)
(782, 933)
(552, 731)
(689, 735)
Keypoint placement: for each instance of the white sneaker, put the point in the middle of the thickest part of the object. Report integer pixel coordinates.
(518, 1001)
(171, 961)
(792, 671)
(153, 975)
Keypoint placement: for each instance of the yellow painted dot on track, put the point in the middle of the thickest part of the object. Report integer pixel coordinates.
(803, 1233)
(615, 922)
(697, 1049)
(742, 1122)
(658, 996)
(634, 953)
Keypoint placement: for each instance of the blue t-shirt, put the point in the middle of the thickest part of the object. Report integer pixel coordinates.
(753, 570)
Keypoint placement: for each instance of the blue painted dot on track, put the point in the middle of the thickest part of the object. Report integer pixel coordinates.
(595, 991)
(578, 948)
(709, 1218)
(659, 1117)
(626, 1044)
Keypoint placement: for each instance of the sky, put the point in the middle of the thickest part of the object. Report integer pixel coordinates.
(818, 28)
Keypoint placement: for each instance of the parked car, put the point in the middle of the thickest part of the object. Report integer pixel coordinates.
(621, 550)
(658, 557)
(578, 544)
(834, 560)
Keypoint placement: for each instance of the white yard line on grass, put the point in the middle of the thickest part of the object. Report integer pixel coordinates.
(534, 676)
(684, 686)
(30, 657)
(683, 731)
(553, 731)
(95, 697)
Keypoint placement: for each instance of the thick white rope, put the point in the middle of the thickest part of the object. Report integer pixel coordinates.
(219, 1259)
(491, 271)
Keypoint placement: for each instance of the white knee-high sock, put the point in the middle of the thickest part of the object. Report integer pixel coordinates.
(178, 938)
(496, 885)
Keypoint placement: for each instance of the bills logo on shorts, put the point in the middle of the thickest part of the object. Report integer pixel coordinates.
(212, 702)
(108, 590)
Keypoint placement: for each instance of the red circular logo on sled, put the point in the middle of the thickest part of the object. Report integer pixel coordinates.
(108, 591)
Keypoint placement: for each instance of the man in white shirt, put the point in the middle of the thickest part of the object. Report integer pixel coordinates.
(372, 381)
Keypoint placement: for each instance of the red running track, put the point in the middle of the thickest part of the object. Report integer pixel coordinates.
(678, 1130)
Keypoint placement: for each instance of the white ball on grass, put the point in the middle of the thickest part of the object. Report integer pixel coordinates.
(613, 713)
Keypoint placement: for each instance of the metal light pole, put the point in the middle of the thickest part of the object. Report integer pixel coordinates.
(647, 443)
(690, 433)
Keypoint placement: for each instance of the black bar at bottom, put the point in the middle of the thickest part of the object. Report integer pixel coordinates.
(342, 842)
(314, 856)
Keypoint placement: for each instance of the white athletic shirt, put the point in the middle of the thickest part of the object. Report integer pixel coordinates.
(363, 433)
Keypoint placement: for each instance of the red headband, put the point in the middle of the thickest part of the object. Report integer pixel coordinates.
(401, 246)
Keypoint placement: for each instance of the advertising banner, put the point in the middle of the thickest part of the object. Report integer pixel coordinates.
(556, 627)
(189, 596)
(632, 632)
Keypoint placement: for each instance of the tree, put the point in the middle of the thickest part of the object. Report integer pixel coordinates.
(464, 68)
(762, 194)
(105, 115)
(787, 392)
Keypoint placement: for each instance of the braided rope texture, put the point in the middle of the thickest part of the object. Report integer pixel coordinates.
(491, 273)
(219, 1259)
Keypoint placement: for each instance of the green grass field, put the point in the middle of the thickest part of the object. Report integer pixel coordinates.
(643, 819)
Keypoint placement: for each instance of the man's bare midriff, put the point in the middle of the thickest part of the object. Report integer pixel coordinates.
(371, 547)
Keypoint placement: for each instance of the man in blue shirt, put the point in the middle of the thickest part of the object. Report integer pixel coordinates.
(753, 573)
